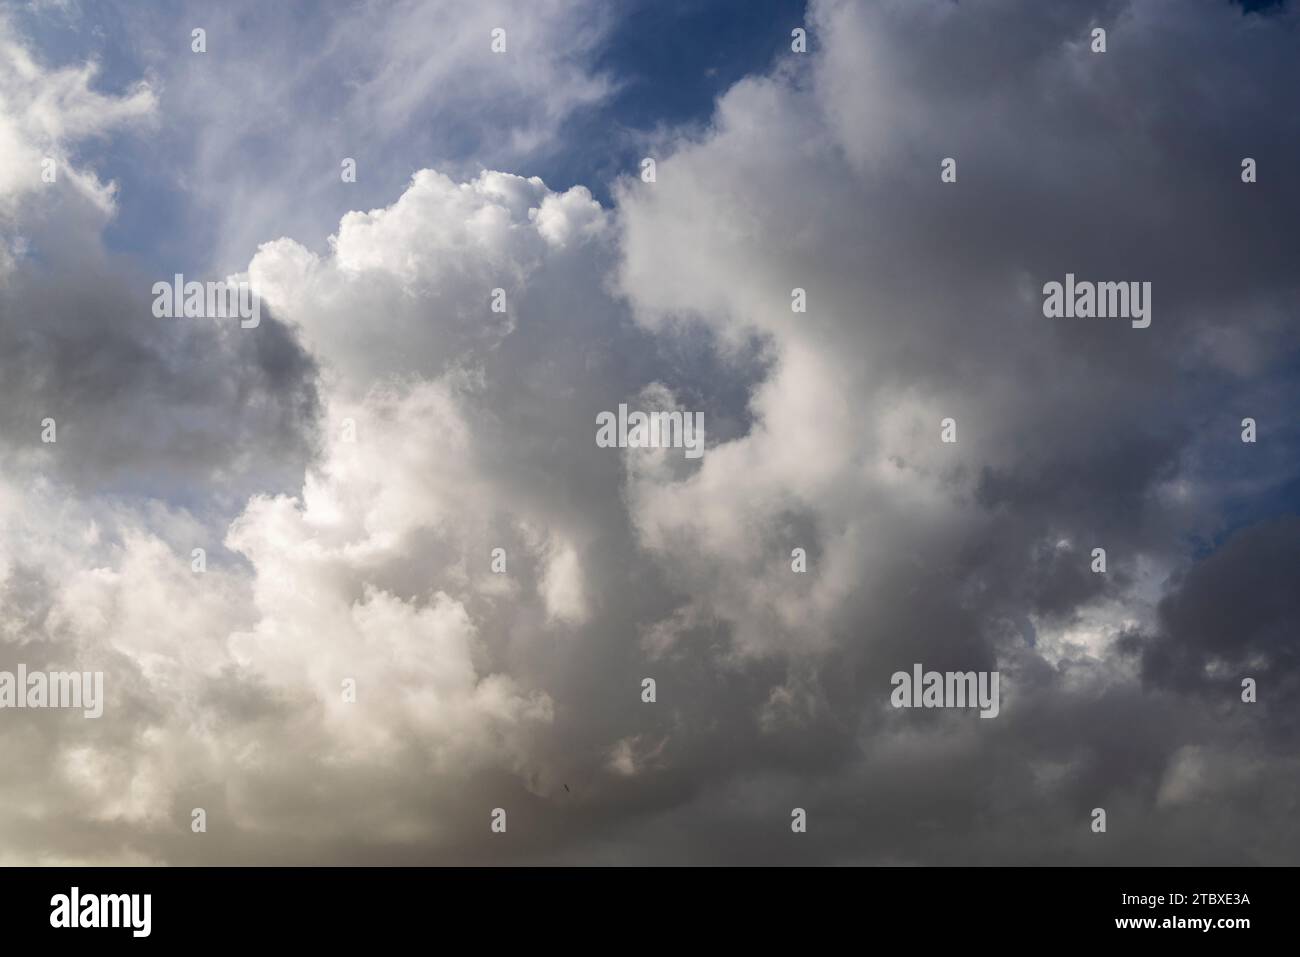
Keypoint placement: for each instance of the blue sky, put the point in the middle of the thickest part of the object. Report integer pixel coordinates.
(666, 63)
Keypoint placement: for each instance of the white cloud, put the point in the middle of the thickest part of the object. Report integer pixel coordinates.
(44, 114)
(381, 84)
(475, 430)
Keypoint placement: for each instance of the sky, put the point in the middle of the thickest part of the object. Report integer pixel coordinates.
(429, 597)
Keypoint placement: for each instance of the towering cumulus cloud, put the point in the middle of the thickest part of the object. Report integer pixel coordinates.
(361, 574)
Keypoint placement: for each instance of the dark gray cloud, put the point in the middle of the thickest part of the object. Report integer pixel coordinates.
(1230, 616)
(176, 408)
